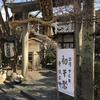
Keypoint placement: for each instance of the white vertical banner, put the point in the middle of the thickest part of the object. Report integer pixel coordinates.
(66, 74)
(9, 49)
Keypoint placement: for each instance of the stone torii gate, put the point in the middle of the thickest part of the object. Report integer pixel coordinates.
(24, 8)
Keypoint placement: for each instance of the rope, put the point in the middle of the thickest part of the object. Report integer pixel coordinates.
(18, 23)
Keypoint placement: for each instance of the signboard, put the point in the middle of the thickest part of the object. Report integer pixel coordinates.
(46, 7)
(66, 71)
(9, 49)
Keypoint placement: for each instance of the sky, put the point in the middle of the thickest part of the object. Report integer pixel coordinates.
(15, 1)
(3, 11)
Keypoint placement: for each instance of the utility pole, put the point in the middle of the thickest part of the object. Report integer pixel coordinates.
(88, 27)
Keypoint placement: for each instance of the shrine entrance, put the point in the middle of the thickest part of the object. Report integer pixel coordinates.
(83, 14)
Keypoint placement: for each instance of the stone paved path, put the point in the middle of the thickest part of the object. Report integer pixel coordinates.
(3, 96)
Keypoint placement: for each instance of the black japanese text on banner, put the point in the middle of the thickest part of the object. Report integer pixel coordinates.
(9, 49)
(66, 71)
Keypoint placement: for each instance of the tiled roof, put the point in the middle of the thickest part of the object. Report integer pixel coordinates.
(64, 28)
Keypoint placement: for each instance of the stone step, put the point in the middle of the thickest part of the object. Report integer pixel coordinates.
(14, 93)
(2, 78)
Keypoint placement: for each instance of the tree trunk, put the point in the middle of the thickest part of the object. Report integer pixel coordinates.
(2, 26)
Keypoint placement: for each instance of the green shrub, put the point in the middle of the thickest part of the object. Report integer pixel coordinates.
(5, 60)
(79, 78)
(51, 58)
(97, 79)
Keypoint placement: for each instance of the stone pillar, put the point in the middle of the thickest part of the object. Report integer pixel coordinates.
(88, 27)
(33, 60)
(36, 60)
(25, 46)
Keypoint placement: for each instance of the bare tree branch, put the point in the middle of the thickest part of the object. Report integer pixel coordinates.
(69, 15)
(45, 39)
(2, 26)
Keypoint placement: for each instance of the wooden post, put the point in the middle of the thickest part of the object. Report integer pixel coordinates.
(15, 57)
(88, 27)
(77, 44)
(0, 58)
(77, 36)
(25, 46)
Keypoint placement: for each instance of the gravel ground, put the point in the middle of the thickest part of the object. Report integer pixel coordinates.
(41, 85)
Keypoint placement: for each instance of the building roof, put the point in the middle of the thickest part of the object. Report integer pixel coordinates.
(32, 5)
(65, 28)
(8, 38)
(27, 6)
(35, 39)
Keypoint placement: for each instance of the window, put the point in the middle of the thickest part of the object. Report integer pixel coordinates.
(66, 44)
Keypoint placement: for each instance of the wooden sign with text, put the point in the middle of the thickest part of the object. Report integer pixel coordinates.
(46, 7)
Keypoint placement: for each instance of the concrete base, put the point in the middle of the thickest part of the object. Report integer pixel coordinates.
(2, 78)
(3, 75)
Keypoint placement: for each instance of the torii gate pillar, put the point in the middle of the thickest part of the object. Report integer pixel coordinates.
(24, 46)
